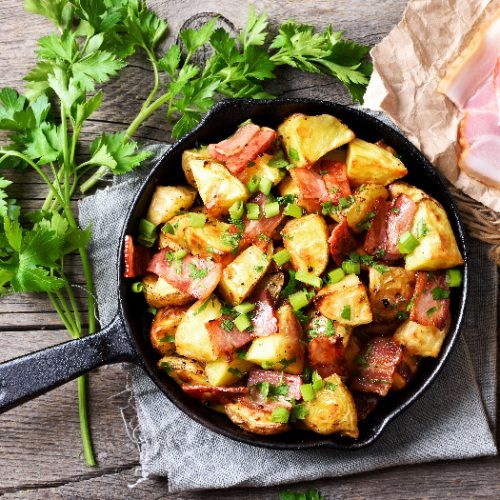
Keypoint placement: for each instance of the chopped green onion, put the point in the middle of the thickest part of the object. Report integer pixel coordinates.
(167, 228)
(307, 392)
(298, 300)
(147, 228)
(346, 313)
(281, 257)
(317, 381)
(336, 275)
(146, 240)
(253, 183)
(299, 412)
(236, 210)
(179, 254)
(138, 287)
(407, 243)
(253, 211)
(350, 267)
(309, 279)
(271, 209)
(265, 185)
(440, 293)
(293, 210)
(242, 322)
(245, 307)
(453, 277)
(293, 154)
(197, 219)
(152, 310)
(280, 415)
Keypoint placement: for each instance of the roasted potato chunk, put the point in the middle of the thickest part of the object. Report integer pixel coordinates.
(253, 419)
(216, 186)
(308, 138)
(390, 292)
(369, 163)
(177, 240)
(162, 333)
(438, 248)
(226, 372)
(288, 186)
(240, 277)
(262, 170)
(208, 241)
(365, 197)
(167, 201)
(183, 370)
(191, 338)
(415, 194)
(332, 410)
(420, 340)
(306, 238)
(160, 293)
(345, 302)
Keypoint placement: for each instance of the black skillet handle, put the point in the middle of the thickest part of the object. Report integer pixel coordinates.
(27, 377)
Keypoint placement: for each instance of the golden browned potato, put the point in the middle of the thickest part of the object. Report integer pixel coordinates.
(262, 170)
(321, 326)
(288, 186)
(208, 241)
(160, 293)
(226, 372)
(167, 201)
(177, 239)
(415, 194)
(162, 333)
(390, 292)
(369, 163)
(420, 340)
(438, 248)
(183, 370)
(240, 277)
(253, 419)
(365, 197)
(332, 410)
(306, 238)
(191, 337)
(188, 157)
(307, 138)
(346, 302)
(283, 350)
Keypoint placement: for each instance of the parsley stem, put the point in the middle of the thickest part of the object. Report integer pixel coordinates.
(154, 90)
(84, 421)
(94, 178)
(145, 113)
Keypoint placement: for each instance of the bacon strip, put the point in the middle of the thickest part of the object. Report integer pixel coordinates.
(377, 365)
(218, 395)
(264, 319)
(275, 379)
(335, 177)
(136, 258)
(399, 220)
(341, 242)
(426, 310)
(243, 147)
(376, 236)
(326, 355)
(225, 337)
(186, 279)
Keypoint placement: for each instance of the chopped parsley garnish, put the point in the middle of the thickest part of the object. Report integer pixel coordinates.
(263, 237)
(329, 328)
(258, 269)
(168, 338)
(250, 164)
(328, 208)
(402, 315)
(241, 354)
(409, 307)
(227, 325)
(286, 199)
(380, 253)
(395, 210)
(232, 240)
(440, 293)
(365, 223)
(204, 305)
(330, 386)
(196, 273)
(291, 286)
(293, 154)
(422, 229)
(234, 371)
(299, 412)
(166, 366)
(346, 313)
(431, 311)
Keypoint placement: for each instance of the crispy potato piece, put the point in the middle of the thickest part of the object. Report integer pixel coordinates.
(345, 302)
(183, 370)
(207, 241)
(226, 372)
(306, 238)
(369, 163)
(191, 338)
(189, 156)
(261, 169)
(365, 197)
(160, 293)
(240, 277)
(420, 340)
(164, 326)
(169, 200)
(283, 350)
(415, 194)
(308, 138)
(177, 240)
(216, 186)
(253, 419)
(390, 292)
(438, 248)
(332, 410)
(288, 186)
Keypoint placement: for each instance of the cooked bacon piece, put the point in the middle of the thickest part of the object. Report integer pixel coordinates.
(225, 337)
(335, 177)
(365, 403)
(275, 379)
(326, 355)
(376, 235)
(243, 147)
(218, 395)
(264, 319)
(377, 365)
(311, 186)
(427, 310)
(192, 275)
(341, 242)
(399, 220)
(136, 258)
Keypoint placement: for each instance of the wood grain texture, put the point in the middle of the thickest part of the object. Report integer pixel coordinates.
(40, 452)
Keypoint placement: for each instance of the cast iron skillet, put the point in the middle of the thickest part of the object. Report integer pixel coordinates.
(125, 339)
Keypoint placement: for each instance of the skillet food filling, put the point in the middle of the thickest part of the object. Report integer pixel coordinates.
(296, 280)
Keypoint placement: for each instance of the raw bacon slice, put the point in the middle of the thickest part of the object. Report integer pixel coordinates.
(218, 395)
(225, 337)
(426, 310)
(484, 99)
(341, 242)
(376, 236)
(264, 319)
(193, 275)
(136, 258)
(275, 379)
(399, 220)
(326, 355)
(377, 365)
(243, 147)
(335, 177)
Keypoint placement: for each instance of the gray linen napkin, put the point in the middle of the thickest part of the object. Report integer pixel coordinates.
(455, 419)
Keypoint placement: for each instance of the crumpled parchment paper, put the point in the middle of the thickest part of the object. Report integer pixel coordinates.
(410, 62)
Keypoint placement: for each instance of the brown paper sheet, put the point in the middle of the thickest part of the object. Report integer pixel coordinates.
(408, 66)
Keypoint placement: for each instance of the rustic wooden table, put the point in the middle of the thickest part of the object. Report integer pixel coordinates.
(40, 452)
